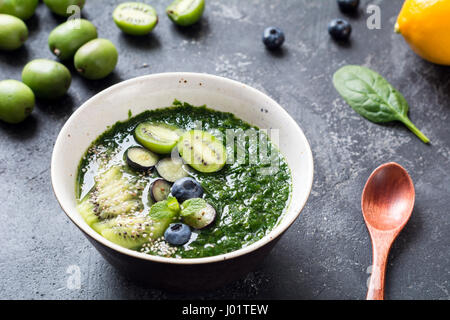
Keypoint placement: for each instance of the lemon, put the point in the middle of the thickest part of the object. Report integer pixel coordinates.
(425, 25)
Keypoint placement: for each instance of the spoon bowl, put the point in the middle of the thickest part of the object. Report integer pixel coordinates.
(387, 203)
(388, 198)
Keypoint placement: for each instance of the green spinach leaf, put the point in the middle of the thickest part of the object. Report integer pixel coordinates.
(373, 97)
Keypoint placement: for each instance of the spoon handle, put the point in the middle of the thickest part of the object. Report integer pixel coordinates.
(381, 249)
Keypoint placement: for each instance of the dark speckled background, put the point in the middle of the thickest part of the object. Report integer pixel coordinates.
(326, 253)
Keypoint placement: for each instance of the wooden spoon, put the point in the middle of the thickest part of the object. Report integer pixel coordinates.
(387, 203)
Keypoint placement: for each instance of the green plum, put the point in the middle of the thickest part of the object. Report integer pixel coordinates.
(96, 59)
(16, 101)
(68, 37)
(186, 12)
(13, 32)
(48, 79)
(60, 7)
(22, 9)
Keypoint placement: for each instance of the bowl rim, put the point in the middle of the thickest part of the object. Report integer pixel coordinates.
(272, 235)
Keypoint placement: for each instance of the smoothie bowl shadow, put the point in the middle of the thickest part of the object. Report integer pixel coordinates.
(138, 95)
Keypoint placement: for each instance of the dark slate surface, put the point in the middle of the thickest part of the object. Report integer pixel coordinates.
(326, 253)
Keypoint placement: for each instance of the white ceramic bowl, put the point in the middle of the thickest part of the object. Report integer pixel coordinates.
(160, 90)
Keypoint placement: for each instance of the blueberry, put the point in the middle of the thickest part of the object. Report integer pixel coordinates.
(348, 6)
(177, 234)
(273, 37)
(186, 188)
(340, 29)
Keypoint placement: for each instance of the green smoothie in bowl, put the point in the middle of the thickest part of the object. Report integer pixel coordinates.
(183, 182)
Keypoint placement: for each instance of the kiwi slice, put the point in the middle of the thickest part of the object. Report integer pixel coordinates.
(157, 137)
(202, 151)
(115, 195)
(197, 213)
(171, 170)
(130, 231)
(135, 18)
(112, 195)
(88, 209)
(185, 12)
(160, 190)
(141, 159)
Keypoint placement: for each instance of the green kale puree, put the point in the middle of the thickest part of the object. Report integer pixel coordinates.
(248, 204)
